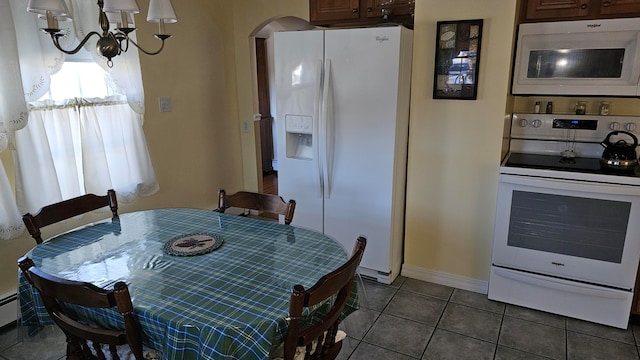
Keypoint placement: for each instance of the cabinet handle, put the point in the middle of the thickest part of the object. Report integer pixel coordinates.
(369, 9)
(606, 4)
(354, 10)
(584, 6)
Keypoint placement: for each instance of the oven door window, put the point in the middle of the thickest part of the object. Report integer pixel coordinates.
(582, 227)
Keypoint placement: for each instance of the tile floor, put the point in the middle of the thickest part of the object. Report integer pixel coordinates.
(413, 319)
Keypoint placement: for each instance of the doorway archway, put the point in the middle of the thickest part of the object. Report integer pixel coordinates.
(264, 104)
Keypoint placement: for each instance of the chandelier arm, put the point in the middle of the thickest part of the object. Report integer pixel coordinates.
(55, 37)
(145, 51)
(122, 38)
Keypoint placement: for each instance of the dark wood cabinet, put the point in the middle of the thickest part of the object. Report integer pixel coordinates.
(328, 11)
(615, 8)
(380, 9)
(553, 9)
(360, 12)
(562, 10)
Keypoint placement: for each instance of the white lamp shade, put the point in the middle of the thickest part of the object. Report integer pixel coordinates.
(56, 7)
(161, 10)
(115, 18)
(128, 6)
(59, 18)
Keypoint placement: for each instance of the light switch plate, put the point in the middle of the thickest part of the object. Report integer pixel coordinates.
(164, 103)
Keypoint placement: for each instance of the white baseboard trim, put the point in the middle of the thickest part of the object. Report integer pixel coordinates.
(8, 308)
(442, 278)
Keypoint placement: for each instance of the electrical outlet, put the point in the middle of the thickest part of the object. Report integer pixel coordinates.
(245, 126)
(164, 103)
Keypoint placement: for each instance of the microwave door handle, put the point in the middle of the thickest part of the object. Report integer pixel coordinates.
(538, 66)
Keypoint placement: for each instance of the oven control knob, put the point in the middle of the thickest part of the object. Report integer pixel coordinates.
(536, 123)
(631, 126)
(523, 122)
(614, 126)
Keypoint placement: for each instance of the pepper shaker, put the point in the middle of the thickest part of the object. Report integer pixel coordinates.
(549, 107)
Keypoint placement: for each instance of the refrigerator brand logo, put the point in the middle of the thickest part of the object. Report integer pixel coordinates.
(380, 39)
(593, 26)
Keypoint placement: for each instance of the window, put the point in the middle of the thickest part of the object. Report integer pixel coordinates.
(77, 79)
(82, 137)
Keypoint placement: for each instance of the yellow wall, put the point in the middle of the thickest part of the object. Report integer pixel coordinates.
(249, 16)
(455, 145)
(195, 149)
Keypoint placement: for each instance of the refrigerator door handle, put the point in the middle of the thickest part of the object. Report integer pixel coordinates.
(317, 118)
(328, 125)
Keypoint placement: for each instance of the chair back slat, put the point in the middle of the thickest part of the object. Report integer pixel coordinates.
(334, 289)
(57, 294)
(273, 204)
(67, 209)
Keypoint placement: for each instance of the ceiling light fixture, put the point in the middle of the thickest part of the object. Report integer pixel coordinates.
(110, 43)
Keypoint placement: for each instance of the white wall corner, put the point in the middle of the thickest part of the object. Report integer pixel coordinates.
(442, 278)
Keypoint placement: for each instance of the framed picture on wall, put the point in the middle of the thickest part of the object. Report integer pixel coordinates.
(457, 59)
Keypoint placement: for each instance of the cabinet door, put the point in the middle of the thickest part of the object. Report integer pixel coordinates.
(327, 10)
(395, 7)
(620, 7)
(556, 9)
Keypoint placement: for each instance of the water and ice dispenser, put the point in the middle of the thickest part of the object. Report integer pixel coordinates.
(299, 136)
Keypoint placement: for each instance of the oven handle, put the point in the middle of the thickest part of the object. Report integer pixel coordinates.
(571, 185)
(560, 284)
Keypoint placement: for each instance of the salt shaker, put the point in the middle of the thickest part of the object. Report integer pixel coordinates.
(604, 108)
(536, 109)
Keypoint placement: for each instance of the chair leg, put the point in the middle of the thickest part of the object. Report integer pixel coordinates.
(74, 349)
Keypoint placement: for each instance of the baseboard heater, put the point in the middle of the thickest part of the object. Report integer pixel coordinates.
(8, 308)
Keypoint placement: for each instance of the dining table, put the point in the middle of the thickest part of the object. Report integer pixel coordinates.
(204, 284)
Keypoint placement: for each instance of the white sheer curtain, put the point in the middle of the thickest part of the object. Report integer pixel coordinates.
(125, 73)
(39, 58)
(81, 146)
(13, 115)
(111, 139)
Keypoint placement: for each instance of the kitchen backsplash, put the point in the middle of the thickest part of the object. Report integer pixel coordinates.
(566, 104)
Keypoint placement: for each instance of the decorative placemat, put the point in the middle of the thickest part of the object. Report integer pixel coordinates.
(192, 244)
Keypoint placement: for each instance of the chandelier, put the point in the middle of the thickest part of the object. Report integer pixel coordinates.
(110, 43)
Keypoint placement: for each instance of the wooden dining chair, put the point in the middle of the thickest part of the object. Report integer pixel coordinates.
(272, 204)
(56, 293)
(67, 209)
(318, 340)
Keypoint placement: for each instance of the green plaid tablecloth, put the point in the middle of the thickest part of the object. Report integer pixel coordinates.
(231, 303)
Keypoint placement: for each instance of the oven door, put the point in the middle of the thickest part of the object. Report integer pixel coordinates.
(576, 230)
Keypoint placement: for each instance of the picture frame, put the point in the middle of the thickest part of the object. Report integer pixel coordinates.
(457, 60)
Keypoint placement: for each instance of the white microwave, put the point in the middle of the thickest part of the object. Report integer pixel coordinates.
(588, 57)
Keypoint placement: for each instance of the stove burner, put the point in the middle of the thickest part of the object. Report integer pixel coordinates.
(567, 160)
(554, 162)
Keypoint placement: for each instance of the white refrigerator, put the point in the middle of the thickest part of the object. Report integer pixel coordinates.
(342, 115)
